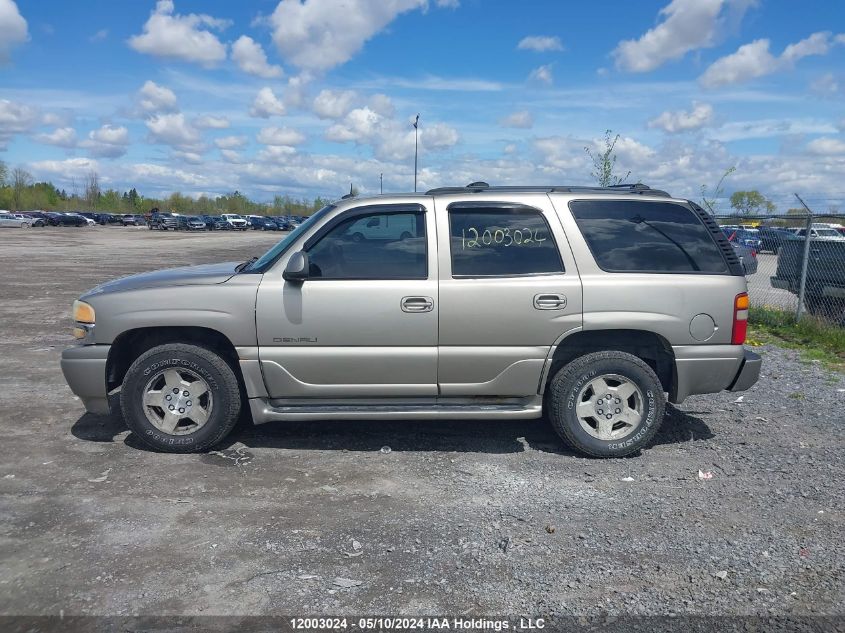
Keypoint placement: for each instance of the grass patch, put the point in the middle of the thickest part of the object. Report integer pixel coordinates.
(817, 340)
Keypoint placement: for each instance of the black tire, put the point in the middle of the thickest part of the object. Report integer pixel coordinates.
(571, 379)
(222, 384)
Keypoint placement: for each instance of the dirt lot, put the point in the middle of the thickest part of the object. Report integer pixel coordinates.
(457, 518)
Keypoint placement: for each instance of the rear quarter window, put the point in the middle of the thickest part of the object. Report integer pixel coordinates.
(646, 236)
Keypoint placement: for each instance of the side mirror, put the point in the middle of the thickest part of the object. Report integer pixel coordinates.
(297, 268)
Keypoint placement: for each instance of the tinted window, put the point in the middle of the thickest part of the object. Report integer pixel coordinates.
(641, 236)
(372, 246)
(501, 241)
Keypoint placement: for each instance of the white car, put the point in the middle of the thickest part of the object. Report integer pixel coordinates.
(88, 220)
(9, 220)
(235, 221)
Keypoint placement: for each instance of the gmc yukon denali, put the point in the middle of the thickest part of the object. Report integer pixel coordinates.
(590, 306)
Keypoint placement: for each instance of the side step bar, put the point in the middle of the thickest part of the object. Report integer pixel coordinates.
(265, 411)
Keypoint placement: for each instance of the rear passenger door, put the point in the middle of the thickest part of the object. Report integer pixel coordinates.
(509, 289)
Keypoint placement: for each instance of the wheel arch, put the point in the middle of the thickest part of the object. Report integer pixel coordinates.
(129, 345)
(649, 346)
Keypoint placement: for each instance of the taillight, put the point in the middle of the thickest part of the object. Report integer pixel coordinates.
(753, 253)
(740, 327)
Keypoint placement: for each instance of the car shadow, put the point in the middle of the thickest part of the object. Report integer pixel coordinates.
(469, 436)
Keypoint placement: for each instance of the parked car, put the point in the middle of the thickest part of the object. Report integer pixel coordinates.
(221, 224)
(66, 219)
(87, 221)
(261, 223)
(746, 237)
(747, 257)
(283, 223)
(593, 306)
(196, 223)
(772, 238)
(164, 221)
(25, 217)
(824, 293)
(820, 232)
(14, 220)
(235, 221)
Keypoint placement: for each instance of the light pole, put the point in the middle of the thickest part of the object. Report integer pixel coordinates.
(416, 147)
(381, 183)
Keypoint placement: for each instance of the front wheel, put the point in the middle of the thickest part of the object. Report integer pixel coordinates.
(180, 398)
(606, 404)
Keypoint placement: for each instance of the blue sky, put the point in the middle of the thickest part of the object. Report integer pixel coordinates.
(303, 98)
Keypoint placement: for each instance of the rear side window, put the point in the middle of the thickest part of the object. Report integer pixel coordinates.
(643, 236)
(501, 241)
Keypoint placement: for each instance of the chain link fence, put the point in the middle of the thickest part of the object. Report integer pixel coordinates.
(794, 263)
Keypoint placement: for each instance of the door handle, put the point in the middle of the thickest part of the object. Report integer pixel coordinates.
(417, 304)
(549, 302)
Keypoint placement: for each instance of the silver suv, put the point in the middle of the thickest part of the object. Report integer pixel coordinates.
(591, 306)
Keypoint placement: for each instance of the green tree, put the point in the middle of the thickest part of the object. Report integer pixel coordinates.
(604, 164)
(4, 173)
(751, 202)
(21, 180)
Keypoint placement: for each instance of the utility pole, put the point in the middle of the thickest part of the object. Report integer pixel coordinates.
(381, 183)
(416, 148)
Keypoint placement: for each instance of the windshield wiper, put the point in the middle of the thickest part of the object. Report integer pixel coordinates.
(242, 267)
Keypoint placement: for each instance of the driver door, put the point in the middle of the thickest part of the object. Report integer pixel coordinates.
(364, 323)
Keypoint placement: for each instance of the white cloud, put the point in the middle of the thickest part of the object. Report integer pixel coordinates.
(266, 104)
(212, 122)
(815, 44)
(687, 25)
(755, 60)
(230, 142)
(827, 85)
(521, 119)
(13, 29)
(250, 58)
(155, 98)
(60, 137)
(542, 74)
(540, 43)
(390, 139)
(180, 37)
(188, 157)
(66, 169)
(280, 136)
(319, 34)
(826, 146)
(109, 141)
(99, 36)
(15, 118)
(382, 104)
(230, 156)
(683, 121)
(173, 129)
(359, 125)
(334, 104)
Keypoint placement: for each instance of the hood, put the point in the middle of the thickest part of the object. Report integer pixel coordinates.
(204, 275)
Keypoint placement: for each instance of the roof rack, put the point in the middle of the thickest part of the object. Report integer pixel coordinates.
(477, 187)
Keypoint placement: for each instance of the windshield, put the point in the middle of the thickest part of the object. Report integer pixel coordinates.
(274, 253)
(827, 233)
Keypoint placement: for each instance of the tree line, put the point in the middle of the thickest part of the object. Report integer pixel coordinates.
(20, 192)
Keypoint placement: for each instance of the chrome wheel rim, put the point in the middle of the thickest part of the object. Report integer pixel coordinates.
(177, 401)
(610, 407)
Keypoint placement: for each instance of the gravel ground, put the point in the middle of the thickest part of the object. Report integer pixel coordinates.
(389, 518)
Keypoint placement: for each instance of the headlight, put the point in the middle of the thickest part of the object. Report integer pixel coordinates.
(83, 312)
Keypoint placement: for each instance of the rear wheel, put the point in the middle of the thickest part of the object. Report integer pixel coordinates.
(606, 404)
(180, 398)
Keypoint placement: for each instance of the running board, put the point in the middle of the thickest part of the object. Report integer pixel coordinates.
(265, 411)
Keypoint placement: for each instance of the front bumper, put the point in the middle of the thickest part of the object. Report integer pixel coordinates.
(84, 367)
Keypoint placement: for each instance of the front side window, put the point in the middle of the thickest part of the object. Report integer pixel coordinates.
(379, 245)
(493, 241)
(644, 236)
